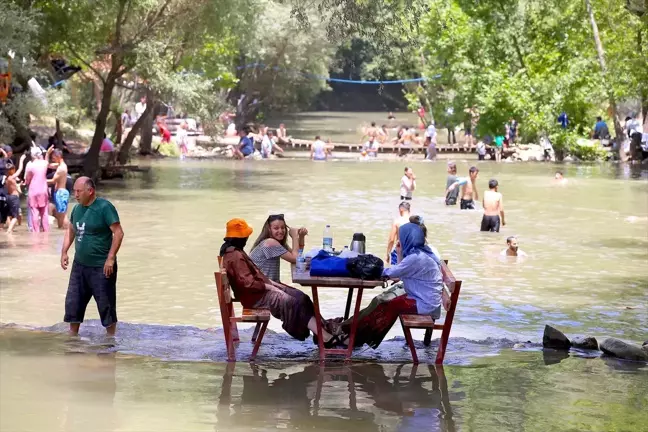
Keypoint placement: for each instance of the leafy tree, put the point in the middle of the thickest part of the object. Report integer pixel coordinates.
(112, 38)
(282, 61)
(19, 31)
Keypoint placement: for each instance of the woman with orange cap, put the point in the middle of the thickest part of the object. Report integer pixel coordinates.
(255, 290)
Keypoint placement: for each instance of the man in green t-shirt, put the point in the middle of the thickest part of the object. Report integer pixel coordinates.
(97, 235)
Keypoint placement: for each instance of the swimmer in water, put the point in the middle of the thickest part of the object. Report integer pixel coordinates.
(512, 249)
(493, 208)
(560, 178)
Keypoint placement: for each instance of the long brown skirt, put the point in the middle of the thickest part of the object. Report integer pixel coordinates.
(292, 307)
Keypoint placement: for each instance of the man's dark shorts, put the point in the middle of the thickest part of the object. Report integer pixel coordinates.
(85, 283)
(490, 223)
(467, 204)
(404, 198)
(14, 205)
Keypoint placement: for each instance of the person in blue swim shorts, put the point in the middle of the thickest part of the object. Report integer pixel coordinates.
(60, 180)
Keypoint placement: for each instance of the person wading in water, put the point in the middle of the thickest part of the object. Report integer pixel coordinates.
(493, 208)
(451, 195)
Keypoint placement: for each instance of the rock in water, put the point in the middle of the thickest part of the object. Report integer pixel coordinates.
(554, 339)
(622, 350)
(588, 343)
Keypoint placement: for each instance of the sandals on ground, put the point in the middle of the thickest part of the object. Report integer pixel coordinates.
(332, 343)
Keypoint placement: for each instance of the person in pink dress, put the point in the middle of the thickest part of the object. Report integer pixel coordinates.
(36, 180)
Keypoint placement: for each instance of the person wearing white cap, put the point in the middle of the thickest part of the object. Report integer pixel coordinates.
(38, 198)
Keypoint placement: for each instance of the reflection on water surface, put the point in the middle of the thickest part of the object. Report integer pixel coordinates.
(76, 386)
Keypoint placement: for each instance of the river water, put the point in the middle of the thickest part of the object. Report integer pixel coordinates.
(586, 273)
(347, 127)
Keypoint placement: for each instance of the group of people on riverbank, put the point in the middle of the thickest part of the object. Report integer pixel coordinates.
(269, 142)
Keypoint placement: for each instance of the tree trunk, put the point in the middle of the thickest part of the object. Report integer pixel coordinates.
(119, 128)
(147, 131)
(97, 94)
(124, 150)
(604, 73)
(91, 160)
(58, 135)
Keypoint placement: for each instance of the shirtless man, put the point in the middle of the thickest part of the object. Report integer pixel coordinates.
(404, 210)
(371, 132)
(469, 192)
(61, 194)
(493, 208)
(512, 248)
(282, 134)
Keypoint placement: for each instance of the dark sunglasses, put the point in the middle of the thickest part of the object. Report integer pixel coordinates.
(273, 218)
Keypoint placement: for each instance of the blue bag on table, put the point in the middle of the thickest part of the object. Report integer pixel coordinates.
(327, 265)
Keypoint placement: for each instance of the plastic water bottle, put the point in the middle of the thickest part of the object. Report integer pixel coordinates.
(301, 261)
(327, 242)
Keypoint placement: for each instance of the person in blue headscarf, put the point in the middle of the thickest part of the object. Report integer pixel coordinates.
(420, 272)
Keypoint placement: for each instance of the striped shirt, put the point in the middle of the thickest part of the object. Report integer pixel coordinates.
(267, 259)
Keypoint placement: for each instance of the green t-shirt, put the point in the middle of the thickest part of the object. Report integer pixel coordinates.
(91, 226)
(499, 141)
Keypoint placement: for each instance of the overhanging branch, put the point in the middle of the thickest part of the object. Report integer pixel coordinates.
(88, 65)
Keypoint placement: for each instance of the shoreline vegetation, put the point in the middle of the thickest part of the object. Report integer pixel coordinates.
(552, 71)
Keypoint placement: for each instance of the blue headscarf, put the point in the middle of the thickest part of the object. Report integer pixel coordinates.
(412, 241)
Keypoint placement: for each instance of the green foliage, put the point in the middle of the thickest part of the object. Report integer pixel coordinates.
(18, 28)
(169, 149)
(563, 140)
(586, 150)
(569, 142)
(291, 52)
(60, 106)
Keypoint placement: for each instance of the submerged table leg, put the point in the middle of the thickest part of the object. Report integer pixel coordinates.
(348, 304)
(318, 322)
(354, 324)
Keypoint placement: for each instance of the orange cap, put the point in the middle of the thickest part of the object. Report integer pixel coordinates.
(238, 228)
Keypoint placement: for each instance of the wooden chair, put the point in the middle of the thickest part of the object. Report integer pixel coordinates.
(452, 288)
(259, 316)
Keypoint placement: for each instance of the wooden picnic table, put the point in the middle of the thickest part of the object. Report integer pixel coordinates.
(304, 278)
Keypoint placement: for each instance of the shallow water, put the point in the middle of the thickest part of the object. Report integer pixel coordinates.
(587, 242)
(587, 274)
(56, 383)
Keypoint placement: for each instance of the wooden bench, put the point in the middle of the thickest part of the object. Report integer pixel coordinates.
(226, 302)
(410, 321)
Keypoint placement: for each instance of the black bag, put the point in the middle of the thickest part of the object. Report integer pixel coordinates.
(368, 267)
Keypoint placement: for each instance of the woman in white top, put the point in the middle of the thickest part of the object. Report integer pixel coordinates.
(408, 184)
